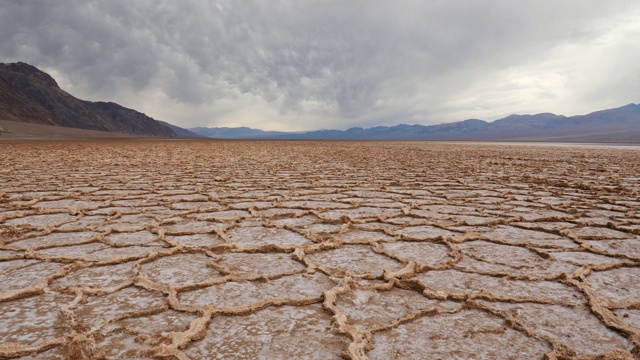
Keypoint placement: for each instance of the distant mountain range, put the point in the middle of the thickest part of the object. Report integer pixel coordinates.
(614, 125)
(30, 95)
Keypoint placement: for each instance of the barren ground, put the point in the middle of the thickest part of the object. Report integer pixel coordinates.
(16, 130)
(318, 250)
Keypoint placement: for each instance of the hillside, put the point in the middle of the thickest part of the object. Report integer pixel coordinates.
(30, 95)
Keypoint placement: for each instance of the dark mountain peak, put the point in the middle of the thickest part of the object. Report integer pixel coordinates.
(31, 71)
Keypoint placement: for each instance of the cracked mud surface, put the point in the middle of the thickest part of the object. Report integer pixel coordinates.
(277, 250)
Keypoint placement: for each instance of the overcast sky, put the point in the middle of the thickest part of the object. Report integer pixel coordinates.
(303, 65)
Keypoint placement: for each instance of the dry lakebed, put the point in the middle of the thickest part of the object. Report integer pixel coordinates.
(145, 249)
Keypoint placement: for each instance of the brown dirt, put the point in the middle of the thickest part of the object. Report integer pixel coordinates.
(382, 250)
(16, 130)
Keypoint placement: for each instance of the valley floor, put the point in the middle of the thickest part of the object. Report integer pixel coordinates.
(15, 130)
(318, 250)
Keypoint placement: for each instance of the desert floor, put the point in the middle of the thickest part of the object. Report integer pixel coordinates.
(318, 250)
(15, 130)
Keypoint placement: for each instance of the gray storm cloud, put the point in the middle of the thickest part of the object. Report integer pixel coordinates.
(297, 65)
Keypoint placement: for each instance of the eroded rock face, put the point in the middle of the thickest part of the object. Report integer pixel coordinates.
(281, 250)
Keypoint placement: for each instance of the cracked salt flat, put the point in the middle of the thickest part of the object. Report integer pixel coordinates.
(258, 263)
(299, 332)
(467, 334)
(375, 308)
(572, 327)
(430, 254)
(54, 239)
(359, 260)
(179, 269)
(32, 321)
(318, 250)
(249, 293)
